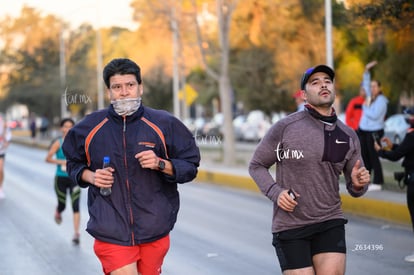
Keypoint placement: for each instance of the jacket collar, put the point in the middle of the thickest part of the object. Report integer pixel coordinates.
(135, 116)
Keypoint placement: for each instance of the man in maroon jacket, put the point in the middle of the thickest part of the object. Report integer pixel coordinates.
(310, 149)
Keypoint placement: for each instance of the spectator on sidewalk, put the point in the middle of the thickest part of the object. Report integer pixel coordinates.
(371, 126)
(395, 152)
(5, 137)
(310, 149)
(299, 100)
(33, 126)
(353, 111)
(64, 184)
(44, 126)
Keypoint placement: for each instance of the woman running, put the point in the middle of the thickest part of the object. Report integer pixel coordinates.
(62, 182)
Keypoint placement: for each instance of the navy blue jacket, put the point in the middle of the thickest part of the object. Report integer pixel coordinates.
(144, 203)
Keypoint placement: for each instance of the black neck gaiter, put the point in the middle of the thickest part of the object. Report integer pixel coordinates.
(329, 119)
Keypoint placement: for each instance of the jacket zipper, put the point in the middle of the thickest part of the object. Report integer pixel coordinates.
(131, 217)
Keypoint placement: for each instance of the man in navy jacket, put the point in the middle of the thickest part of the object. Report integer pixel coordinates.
(150, 152)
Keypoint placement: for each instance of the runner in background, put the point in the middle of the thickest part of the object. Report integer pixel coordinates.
(63, 184)
(5, 137)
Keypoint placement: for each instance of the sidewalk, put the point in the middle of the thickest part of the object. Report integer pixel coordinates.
(389, 206)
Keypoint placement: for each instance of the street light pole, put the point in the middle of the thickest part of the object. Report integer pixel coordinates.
(99, 61)
(328, 31)
(99, 69)
(176, 83)
(62, 67)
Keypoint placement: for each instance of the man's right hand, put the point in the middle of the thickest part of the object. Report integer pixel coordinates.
(286, 202)
(99, 178)
(103, 178)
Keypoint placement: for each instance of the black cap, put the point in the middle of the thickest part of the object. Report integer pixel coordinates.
(316, 69)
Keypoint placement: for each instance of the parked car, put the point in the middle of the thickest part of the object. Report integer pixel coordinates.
(213, 128)
(277, 116)
(238, 122)
(256, 126)
(189, 122)
(199, 126)
(396, 127)
(196, 126)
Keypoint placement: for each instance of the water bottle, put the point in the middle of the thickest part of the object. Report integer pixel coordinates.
(106, 191)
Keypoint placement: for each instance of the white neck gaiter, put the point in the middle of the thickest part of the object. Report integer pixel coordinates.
(126, 106)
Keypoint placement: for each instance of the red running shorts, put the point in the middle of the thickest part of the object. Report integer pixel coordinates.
(148, 256)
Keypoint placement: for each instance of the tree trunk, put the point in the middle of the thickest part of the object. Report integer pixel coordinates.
(228, 131)
(224, 11)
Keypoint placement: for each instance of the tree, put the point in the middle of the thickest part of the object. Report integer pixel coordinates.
(391, 36)
(80, 86)
(158, 88)
(224, 9)
(31, 54)
(253, 73)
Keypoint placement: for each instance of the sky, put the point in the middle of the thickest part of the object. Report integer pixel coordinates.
(103, 13)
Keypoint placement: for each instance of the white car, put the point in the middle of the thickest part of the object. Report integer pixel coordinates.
(395, 128)
(256, 126)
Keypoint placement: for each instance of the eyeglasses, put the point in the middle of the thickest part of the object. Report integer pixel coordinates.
(129, 86)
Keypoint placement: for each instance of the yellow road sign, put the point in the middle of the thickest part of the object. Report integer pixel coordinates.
(189, 94)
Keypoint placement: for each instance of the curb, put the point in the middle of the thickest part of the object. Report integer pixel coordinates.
(377, 209)
(364, 207)
(235, 181)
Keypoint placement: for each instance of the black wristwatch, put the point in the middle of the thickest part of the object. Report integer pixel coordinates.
(161, 164)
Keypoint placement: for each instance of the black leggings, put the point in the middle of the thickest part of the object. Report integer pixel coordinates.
(370, 155)
(62, 184)
(410, 201)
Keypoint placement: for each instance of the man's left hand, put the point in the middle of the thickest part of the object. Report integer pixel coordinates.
(360, 176)
(148, 159)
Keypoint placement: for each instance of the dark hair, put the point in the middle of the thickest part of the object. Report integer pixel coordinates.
(64, 120)
(121, 66)
(378, 82)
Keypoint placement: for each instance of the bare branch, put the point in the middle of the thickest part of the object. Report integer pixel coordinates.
(209, 70)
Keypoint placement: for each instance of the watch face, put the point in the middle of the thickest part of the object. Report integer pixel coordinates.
(161, 165)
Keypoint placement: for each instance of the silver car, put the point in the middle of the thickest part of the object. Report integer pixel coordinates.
(395, 128)
(255, 126)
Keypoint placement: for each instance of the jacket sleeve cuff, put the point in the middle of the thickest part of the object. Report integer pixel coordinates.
(184, 171)
(273, 192)
(356, 192)
(79, 180)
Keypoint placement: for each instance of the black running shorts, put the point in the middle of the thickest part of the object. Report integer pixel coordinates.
(296, 247)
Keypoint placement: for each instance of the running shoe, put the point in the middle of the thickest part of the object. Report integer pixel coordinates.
(374, 187)
(409, 258)
(76, 239)
(58, 217)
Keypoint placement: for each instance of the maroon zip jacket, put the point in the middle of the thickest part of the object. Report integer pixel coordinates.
(309, 155)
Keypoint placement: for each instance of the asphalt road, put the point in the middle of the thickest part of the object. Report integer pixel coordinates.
(219, 231)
